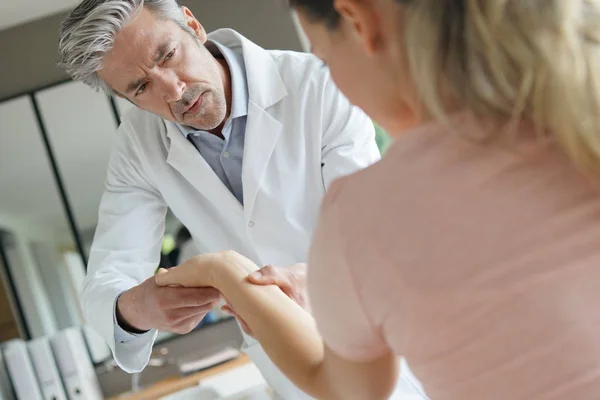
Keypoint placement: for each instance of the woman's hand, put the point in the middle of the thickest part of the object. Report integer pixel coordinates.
(208, 270)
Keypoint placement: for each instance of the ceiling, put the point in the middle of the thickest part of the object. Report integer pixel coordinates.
(21, 11)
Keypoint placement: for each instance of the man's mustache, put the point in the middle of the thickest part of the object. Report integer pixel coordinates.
(187, 99)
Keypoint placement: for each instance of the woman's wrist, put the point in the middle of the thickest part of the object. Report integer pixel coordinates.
(232, 270)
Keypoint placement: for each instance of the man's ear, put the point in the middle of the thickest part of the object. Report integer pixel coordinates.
(362, 20)
(194, 24)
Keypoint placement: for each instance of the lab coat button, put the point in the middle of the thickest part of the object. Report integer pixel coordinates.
(251, 224)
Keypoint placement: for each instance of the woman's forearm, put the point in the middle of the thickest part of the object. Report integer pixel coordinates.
(287, 333)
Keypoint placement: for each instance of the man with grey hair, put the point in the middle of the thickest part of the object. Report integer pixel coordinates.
(240, 142)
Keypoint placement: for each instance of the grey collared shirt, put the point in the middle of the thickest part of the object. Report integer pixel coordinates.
(225, 155)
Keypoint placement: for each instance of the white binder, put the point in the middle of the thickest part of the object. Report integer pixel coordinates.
(46, 369)
(6, 390)
(21, 371)
(75, 366)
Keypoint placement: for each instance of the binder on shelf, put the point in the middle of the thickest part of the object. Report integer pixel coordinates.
(75, 366)
(21, 372)
(6, 390)
(46, 369)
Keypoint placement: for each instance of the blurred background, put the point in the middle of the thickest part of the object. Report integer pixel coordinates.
(55, 139)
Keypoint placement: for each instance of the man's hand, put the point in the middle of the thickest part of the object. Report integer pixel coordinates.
(291, 280)
(171, 309)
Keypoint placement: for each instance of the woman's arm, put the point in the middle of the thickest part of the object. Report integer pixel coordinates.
(287, 332)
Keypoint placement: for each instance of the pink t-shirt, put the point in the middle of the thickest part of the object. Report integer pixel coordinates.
(478, 263)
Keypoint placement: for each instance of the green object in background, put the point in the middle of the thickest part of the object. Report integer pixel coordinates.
(382, 138)
(168, 244)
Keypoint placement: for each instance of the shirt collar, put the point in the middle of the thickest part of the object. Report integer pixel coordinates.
(239, 83)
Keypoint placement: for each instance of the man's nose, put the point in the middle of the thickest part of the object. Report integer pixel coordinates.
(172, 88)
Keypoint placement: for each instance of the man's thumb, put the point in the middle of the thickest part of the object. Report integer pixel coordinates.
(260, 278)
(165, 278)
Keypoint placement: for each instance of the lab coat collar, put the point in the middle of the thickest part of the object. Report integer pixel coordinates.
(265, 86)
(265, 89)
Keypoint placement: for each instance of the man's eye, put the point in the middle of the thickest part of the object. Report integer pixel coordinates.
(141, 89)
(170, 55)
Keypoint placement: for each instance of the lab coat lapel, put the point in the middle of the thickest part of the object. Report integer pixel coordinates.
(263, 129)
(186, 159)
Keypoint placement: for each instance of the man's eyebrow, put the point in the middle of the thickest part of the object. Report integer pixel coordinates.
(133, 85)
(162, 50)
(160, 53)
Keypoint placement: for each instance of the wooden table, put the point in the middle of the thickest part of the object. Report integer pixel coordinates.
(172, 385)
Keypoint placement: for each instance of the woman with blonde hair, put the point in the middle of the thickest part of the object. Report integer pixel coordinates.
(473, 248)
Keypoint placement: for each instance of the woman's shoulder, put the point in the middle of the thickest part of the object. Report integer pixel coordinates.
(406, 162)
(431, 169)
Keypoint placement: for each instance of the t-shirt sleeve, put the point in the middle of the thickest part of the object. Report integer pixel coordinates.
(337, 307)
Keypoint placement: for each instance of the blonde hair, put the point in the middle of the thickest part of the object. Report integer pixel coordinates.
(537, 60)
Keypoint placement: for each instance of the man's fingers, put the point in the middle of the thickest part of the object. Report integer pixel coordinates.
(177, 316)
(283, 278)
(264, 276)
(165, 271)
(268, 275)
(258, 278)
(187, 325)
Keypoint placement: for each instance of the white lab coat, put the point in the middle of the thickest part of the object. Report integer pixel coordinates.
(301, 134)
